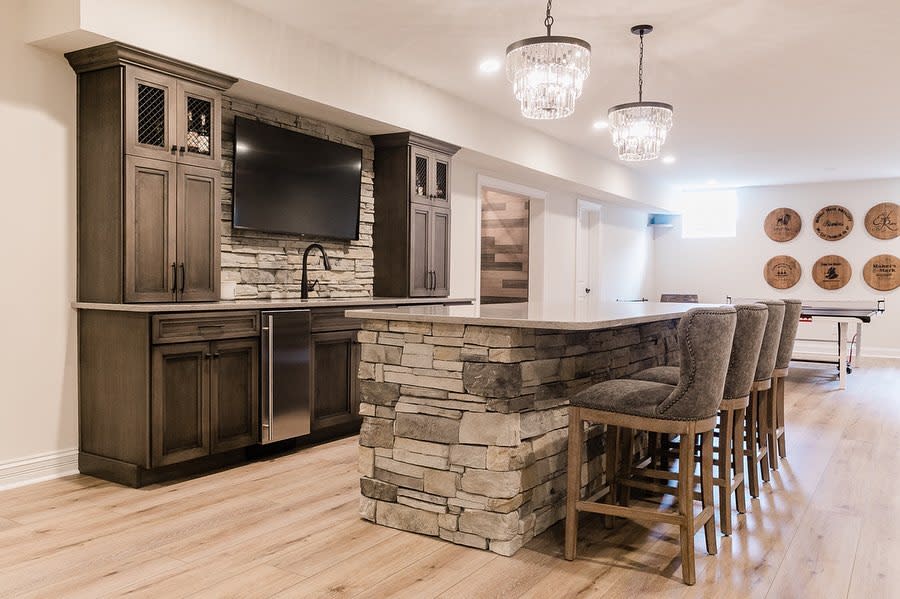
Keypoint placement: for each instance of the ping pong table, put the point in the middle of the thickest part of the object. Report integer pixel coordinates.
(843, 314)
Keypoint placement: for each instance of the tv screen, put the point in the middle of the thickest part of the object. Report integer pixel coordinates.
(288, 182)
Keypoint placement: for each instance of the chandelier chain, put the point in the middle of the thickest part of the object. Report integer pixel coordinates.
(548, 20)
(641, 71)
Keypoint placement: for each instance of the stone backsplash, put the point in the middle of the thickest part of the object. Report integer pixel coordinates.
(268, 265)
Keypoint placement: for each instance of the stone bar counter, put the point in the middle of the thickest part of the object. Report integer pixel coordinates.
(464, 410)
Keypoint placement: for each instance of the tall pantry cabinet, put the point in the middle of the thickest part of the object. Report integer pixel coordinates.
(149, 175)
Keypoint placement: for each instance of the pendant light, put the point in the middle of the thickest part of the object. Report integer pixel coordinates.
(548, 72)
(639, 128)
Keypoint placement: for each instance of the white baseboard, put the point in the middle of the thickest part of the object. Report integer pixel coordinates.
(45, 466)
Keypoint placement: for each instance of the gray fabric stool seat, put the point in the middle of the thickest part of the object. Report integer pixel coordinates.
(748, 337)
(756, 443)
(689, 408)
(776, 443)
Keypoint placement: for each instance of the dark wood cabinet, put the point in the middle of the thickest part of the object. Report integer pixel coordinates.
(149, 163)
(335, 393)
(234, 394)
(412, 220)
(180, 390)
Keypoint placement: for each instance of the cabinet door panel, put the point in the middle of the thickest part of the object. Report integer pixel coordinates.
(420, 167)
(150, 118)
(199, 113)
(335, 358)
(419, 242)
(234, 394)
(198, 233)
(179, 403)
(440, 180)
(150, 190)
(440, 252)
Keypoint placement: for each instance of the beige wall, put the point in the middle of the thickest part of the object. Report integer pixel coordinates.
(716, 268)
(38, 361)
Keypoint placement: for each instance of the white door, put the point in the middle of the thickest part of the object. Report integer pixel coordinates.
(588, 255)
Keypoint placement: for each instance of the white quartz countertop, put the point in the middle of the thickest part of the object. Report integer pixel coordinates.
(534, 315)
(270, 304)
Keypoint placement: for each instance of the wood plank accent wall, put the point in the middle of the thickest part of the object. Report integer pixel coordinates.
(504, 247)
(268, 265)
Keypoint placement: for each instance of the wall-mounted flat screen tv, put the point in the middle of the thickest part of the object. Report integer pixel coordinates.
(288, 182)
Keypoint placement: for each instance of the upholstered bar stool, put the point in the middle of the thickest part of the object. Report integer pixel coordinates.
(756, 437)
(748, 337)
(687, 409)
(792, 309)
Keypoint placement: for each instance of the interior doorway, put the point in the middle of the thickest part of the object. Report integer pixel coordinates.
(588, 254)
(505, 239)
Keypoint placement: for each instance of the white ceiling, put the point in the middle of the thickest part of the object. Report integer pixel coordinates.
(765, 91)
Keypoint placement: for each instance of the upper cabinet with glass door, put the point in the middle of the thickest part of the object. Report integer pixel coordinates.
(171, 119)
(430, 176)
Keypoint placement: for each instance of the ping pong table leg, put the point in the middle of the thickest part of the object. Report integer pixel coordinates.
(842, 353)
(858, 343)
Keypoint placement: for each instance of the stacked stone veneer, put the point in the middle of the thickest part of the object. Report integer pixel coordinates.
(465, 427)
(268, 265)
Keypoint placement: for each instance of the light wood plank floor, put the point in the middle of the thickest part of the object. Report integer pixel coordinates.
(828, 525)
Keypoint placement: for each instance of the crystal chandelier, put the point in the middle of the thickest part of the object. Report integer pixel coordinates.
(639, 128)
(548, 72)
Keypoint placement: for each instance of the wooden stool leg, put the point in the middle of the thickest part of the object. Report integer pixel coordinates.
(762, 428)
(706, 490)
(653, 449)
(779, 408)
(772, 423)
(573, 478)
(686, 507)
(665, 446)
(626, 459)
(740, 498)
(726, 436)
(752, 449)
(612, 469)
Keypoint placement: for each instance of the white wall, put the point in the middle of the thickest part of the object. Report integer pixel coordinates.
(715, 268)
(38, 356)
(626, 264)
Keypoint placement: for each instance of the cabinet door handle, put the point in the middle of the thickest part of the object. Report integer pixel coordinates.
(181, 268)
(174, 278)
(216, 355)
(174, 148)
(181, 149)
(207, 355)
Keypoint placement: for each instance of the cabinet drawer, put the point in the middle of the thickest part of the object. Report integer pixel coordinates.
(333, 320)
(176, 328)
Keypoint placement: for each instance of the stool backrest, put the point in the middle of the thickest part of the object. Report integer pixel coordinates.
(748, 338)
(792, 309)
(704, 337)
(771, 338)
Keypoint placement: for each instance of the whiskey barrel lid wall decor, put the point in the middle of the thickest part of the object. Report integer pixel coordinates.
(833, 222)
(831, 272)
(883, 221)
(782, 224)
(782, 272)
(882, 272)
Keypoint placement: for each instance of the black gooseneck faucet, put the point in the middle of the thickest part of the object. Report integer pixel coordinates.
(305, 287)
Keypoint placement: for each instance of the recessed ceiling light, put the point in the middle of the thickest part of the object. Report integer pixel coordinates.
(668, 159)
(711, 182)
(489, 65)
(600, 124)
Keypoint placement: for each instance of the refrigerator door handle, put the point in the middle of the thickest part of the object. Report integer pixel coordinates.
(268, 331)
